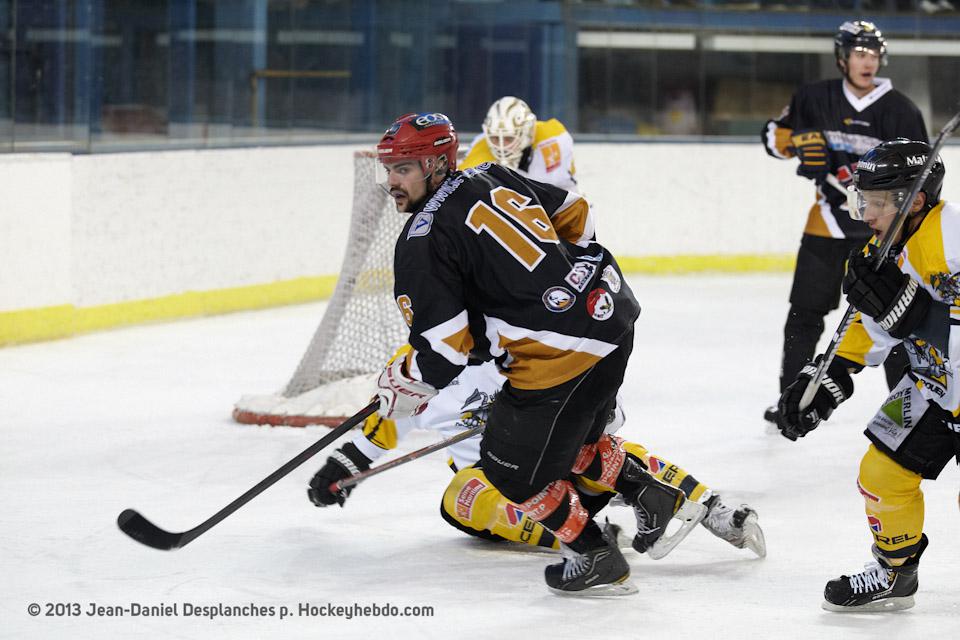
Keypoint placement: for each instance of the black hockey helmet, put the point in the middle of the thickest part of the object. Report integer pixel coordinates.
(895, 165)
(858, 33)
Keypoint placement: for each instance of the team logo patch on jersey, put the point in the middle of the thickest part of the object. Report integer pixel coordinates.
(948, 286)
(875, 525)
(580, 275)
(611, 277)
(859, 123)
(558, 299)
(468, 494)
(421, 225)
(600, 304)
(551, 154)
(866, 494)
(514, 514)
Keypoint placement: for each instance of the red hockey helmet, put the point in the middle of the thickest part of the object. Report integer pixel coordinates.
(424, 137)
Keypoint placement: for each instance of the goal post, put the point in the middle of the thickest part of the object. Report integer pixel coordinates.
(361, 326)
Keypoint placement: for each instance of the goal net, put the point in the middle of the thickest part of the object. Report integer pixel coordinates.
(360, 329)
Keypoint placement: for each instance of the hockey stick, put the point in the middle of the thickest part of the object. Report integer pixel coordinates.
(357, 478)
(142, 530)
(892, 233)
(834, 182)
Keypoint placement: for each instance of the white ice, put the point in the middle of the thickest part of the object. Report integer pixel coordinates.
(140, 418)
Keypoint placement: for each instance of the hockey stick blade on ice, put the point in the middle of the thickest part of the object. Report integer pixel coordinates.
(892, 232)
(142, 530)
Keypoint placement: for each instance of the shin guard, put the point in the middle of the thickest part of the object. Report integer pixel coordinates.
(893, 504)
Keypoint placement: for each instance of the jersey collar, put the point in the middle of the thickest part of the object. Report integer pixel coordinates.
(883, 86)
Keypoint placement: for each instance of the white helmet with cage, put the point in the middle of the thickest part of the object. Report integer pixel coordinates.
(509, 128)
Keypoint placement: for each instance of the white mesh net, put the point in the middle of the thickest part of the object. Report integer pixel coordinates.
(360, 329)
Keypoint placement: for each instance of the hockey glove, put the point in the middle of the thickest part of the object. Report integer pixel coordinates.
(345, 462)
(811, 148)
(893, 299)
(836, 386)
(401, 396)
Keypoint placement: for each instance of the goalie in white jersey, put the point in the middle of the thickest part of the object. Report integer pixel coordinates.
(541, 150)
(913, 299)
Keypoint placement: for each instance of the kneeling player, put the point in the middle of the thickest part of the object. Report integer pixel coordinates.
(471, 504)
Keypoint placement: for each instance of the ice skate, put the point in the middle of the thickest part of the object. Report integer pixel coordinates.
(879, 587)
(738, 526)
(655, 504)
(771, 416)
(598, 572)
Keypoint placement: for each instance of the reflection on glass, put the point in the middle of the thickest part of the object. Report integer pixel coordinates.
(100, 75)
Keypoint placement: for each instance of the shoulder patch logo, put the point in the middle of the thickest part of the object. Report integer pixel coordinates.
(558, 299)
(600, 304)
(580, 275)
(611, 277)
(551, 154)
(421, 225)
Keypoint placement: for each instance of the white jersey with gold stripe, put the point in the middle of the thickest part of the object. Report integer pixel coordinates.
(449, 412)
(548, 159)
(931, 256)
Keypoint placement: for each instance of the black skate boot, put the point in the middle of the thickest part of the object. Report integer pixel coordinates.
(598, 572)
(771, 414)
(879, 587)
(738, 526)
(655, 504)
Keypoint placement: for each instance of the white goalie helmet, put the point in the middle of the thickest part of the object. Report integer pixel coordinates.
(509, 128)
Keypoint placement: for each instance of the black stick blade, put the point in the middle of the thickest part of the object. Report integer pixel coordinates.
(142, 530)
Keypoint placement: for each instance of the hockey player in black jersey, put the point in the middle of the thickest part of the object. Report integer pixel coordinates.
(494, 265)
(828, 125)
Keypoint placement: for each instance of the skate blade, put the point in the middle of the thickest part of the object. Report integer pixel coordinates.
(753, 537)
(689, 514)
(879, 606)
(623, 588)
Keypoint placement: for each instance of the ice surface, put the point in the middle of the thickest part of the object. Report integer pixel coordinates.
(141, 418)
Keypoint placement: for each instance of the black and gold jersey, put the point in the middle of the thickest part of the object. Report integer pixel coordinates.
(495, 265)
(851, 126)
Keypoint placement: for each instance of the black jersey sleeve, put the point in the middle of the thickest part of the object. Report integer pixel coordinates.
(429, 292)
(777, 132)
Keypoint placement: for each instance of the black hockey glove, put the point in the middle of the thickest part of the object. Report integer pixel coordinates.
(811, 148)
(345, 462)
(836, 386)
(893, 299)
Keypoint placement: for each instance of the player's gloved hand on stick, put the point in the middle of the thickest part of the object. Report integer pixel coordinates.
(811, 148)
(837, 386)
(343, 463)
(401, 396)
(892, 298)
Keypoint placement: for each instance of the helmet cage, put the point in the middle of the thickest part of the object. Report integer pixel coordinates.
(509, 129)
